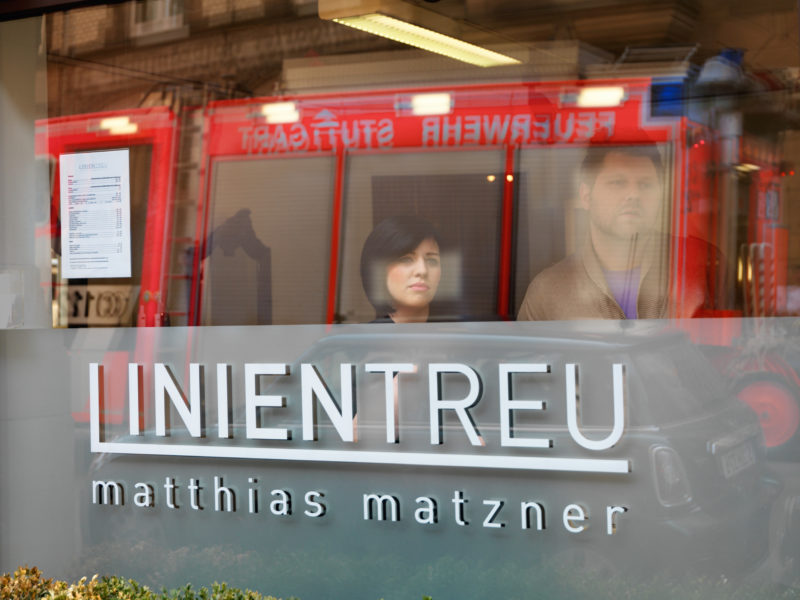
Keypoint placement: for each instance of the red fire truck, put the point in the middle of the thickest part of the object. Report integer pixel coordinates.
(262, 219)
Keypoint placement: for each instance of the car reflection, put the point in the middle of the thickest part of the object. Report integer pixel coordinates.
(697, 492)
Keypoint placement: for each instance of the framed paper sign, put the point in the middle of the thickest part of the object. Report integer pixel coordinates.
(95, 214)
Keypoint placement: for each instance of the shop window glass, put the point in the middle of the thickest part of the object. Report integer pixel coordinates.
(459, 193)
(594, 222)
(105, 302)
(268, 244)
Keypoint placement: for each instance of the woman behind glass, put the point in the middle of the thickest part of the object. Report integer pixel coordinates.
(401, 269)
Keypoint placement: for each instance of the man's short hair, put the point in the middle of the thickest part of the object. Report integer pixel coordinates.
(596, 157)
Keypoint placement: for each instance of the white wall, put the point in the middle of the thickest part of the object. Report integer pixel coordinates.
(23, 183)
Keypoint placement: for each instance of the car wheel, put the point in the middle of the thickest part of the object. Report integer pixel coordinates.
(777, 404)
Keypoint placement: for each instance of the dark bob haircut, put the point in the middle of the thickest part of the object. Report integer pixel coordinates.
(596, 156)
(391, 239)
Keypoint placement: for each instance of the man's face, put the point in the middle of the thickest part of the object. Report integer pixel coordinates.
(625, 198)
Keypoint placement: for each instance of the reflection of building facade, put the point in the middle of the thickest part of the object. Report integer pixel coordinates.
(117, 54)
(235, 49)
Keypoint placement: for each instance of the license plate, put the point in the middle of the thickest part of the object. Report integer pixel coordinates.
(737, 460)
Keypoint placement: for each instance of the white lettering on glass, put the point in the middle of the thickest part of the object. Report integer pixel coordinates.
(507, 404)
(452, 387)
(255, 400)
(573, 409)
(438, 404)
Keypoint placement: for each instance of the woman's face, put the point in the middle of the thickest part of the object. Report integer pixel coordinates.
(412, 279)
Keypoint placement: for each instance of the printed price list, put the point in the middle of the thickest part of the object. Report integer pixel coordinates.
(95, 214)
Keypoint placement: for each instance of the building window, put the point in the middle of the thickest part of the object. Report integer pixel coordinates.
(152, 17)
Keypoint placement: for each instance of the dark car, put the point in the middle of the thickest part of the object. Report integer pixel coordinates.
(681, 487)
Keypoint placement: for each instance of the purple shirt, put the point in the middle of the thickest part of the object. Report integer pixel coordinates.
(624, 286)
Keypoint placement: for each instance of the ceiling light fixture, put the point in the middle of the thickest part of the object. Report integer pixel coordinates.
(426, 39)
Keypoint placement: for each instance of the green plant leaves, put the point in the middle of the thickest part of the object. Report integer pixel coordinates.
(27, 583)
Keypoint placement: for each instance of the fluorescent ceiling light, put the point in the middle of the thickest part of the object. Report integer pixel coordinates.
(426, 39)
(119, 125)
(431, 104)
(601, 97)
(280, 112)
